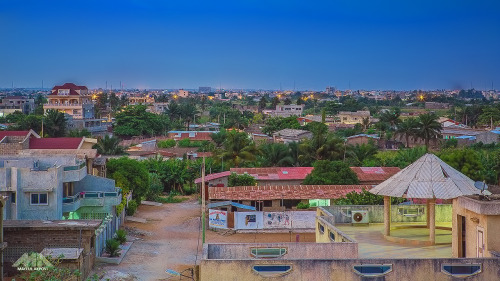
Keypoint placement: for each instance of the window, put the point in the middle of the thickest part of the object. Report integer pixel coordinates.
(272, 270)
(13, 198)
(267, 252)
(372, 270)
(331, 235)
(39, 199)
(321, 228)
(268, 203)
(461, 270)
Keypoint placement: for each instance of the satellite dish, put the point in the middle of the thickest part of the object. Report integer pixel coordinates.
(480, 185)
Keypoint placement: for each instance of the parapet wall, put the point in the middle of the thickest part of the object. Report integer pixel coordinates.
(342, 269)
(298, 250)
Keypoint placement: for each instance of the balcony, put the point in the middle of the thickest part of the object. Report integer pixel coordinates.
(75, 172)
(92, 199)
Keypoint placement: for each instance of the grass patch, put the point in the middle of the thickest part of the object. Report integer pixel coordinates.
(171, 199)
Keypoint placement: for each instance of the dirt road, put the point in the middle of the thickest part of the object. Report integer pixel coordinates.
(170, 240)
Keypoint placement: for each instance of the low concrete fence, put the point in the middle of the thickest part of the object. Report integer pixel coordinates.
(344, 269)
(107, 231)
(399, 213)
(299, 250)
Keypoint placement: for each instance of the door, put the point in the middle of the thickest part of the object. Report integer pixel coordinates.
(480, 242)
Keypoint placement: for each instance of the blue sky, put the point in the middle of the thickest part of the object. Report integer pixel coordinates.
(251, 44)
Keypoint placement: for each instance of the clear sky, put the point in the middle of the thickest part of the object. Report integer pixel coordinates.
(364, 44)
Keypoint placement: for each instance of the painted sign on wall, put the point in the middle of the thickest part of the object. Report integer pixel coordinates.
(217, 218)
(248, 220)
(277, 220)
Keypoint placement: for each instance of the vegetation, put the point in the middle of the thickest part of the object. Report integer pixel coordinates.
(331, 172)
(241, 180)
(109, 146)
(166, 143)
(131, 175)
(131, 208)
(121, 236)
(365, 198)
(303, 206)
(112, 248)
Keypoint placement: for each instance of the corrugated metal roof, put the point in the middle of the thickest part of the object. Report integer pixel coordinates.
(429, 177)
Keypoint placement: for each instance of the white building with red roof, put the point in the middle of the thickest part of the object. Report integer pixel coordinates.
(71, 99)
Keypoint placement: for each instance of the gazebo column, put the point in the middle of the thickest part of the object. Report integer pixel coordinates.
(387, 215)
(432, 220)
(427, 212)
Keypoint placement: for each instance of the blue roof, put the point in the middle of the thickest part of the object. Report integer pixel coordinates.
(226, 203)
(364, 135)
(495, 132)
(466, 137)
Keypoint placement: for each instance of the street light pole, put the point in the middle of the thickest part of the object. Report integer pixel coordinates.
(203, 199)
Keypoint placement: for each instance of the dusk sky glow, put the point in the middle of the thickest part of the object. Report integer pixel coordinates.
(251, 44)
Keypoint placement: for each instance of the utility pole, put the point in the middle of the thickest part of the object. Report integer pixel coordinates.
(203, 199)
(3, 245)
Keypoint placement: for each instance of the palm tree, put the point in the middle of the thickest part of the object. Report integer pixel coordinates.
(407, 129)
(361, 152)
(276, 155)
(428, 128)
(391, 117)
(188, 111)
(238, 148)
(54, 123)
(109, 146)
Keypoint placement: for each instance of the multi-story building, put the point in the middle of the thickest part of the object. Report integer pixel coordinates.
(348, 117)
(12, 104)
(286, 110)
(71, 99)
(182, 93)
(54, 187)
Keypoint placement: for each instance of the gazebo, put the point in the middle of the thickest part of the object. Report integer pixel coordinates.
(427, 178)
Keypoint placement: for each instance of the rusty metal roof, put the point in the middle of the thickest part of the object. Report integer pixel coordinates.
(429, 177)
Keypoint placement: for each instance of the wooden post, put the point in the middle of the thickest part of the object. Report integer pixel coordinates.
(432, 223)
(387, 215)
(427, 212)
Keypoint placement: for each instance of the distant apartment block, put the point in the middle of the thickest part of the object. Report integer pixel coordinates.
(204, 90)
(12, 104)
(182, 93)
(286, 110)
(348, 117)
(135, 100)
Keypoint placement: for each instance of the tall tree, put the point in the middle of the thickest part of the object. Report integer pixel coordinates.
(331, 172)
(276, 155)
(407, 129)
(238, 148)
(428, 128)
(54, 123)
(361, 152)
(109, 146)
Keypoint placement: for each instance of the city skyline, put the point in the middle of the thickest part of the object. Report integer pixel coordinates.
(251, 45)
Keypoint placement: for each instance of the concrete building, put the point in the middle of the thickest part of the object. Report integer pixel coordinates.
(71, 99)
(182, 93)
(12, 104)
(347, 117)
(53, 188)
(142, 99)
(291, 135)
(286, 110)
(476, 225)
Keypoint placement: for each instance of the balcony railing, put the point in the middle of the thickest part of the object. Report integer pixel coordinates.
(75, 167)
(91, 198)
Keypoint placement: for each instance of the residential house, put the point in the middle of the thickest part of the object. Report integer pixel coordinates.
(291, 135)
(285, 110)
(347, 117)
(192, 135)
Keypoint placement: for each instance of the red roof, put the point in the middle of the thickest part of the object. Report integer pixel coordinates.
(275, 173)
(283, 192)
(374, 174)
(13, 134)
(198, 136)
(214, 176)
(55, 143)
(72, 88)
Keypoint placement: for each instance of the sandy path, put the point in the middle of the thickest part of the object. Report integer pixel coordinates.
(171, 240)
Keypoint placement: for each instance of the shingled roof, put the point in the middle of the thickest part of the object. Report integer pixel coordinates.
(283, 192)
(429, 177)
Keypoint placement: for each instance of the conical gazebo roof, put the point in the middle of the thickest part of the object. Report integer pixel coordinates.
(430, 178)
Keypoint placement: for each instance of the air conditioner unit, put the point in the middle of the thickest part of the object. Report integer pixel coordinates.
(360, 217)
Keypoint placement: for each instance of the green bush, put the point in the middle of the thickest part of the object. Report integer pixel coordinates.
(241, 180)
(188, 190)
(171, 198)
(132, 207)
(189, 143)
(166, 143)
(112, 247)
(121, 236)
(303, 205)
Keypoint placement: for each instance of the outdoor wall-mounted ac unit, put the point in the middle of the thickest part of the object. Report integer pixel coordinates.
(360, 217)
